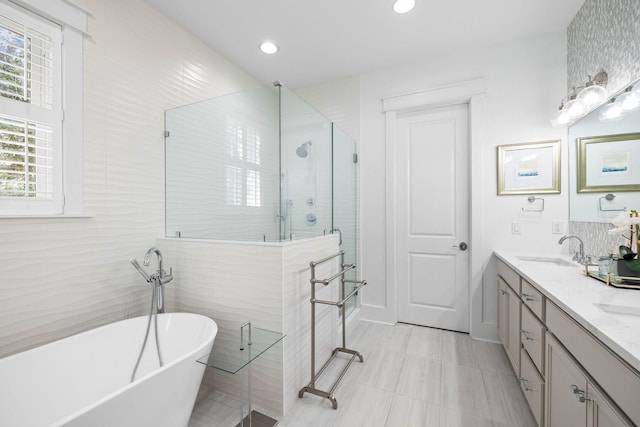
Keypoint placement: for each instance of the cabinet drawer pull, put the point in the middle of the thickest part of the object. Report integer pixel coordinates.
(579, 394)
(527, 297)
(524, 383)
(526, 335)
(503, 292)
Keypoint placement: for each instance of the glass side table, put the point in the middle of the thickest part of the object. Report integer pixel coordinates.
(253, 343)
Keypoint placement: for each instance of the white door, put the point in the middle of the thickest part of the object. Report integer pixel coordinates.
(432, 217)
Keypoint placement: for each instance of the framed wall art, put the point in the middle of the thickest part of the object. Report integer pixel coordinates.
(531, 168)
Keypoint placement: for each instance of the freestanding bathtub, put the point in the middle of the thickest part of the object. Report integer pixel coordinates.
(85, 380)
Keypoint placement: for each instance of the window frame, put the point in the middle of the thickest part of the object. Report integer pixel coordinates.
(73, 23)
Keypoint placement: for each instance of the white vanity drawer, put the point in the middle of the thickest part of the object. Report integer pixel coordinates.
(532, 337)
(620, 381)
(532, 386)
(533, 299)
(509, 276)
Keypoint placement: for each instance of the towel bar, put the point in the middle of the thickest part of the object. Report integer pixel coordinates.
(311, 387)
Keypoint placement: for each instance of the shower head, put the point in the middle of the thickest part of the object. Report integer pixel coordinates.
(303, 150)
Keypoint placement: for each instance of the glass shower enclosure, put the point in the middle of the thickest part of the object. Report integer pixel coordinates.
(259, 165)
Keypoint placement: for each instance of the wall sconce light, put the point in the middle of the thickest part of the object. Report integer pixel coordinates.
(630, 99)
(612, 111)
(617, 108)
(581, 99)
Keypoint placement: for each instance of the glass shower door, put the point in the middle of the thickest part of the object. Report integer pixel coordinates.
(305, 169)
(345, 203)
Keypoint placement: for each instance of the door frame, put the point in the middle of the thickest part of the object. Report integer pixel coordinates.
(471, 92)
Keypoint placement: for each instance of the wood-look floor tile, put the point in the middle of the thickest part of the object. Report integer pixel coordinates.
(366, 336)
(406, 412)
(411, 377)
(453, 418)
(381, 369)
(368, 407)
(463, 390)
(491, 357)
(506, 401)
(456, 349)
(395, 338)
(421, 378)
(425, 342)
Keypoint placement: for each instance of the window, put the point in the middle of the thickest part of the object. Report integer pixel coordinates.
(243, 165)
(37, 176)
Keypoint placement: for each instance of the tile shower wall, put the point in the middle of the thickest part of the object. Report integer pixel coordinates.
(267, 284)
(62, 276)
(603, 36)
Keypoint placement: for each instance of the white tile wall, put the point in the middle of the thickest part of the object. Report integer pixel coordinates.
(62, 276)
(267, 284)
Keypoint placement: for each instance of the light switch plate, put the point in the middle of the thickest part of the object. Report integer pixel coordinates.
(515, 228)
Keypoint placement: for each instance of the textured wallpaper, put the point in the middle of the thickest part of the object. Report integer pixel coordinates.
(605, 35)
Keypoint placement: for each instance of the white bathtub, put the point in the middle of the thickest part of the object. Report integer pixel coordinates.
(84, 380)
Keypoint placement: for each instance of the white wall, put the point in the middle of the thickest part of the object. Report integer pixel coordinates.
(61, 276)
(525, 81)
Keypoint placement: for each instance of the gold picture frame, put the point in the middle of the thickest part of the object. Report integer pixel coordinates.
(608, 163)
(529, 168)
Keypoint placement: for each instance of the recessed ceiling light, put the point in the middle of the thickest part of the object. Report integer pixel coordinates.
(269, 47)
(403, 6)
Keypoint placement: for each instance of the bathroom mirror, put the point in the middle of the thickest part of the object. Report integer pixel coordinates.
(592, 137)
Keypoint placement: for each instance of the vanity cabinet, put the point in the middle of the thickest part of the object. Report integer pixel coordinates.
(607, 373)
(509, 322)
(568, 377)
(572, 397)
(521, 332)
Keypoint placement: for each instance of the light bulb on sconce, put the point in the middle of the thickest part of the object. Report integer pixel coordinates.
(630, 99)
(562, 117)
(575, 108)
(593, 93)
(611, 112)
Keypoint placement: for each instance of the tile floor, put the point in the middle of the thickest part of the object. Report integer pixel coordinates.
(412, 376)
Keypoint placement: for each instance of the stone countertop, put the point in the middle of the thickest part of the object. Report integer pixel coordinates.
(579, 296)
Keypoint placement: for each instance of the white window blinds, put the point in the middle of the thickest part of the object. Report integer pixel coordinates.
(30, 113)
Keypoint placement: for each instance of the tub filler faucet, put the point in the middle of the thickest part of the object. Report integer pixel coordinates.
(158, 278)
(161, 276)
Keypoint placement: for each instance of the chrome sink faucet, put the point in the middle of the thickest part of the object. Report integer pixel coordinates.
(577, 256)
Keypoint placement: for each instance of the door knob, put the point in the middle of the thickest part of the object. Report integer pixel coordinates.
(463, 246)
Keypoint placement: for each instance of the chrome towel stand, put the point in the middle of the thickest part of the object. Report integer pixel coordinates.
(311, 388)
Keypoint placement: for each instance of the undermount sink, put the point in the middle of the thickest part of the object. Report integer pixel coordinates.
(629, 315)
(548, 260)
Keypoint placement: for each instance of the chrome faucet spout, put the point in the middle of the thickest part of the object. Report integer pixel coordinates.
(578, 256)
(160, 275)
(151, 251)
(156, 279)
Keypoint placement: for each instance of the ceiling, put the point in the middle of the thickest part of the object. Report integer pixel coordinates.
(324, 40)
